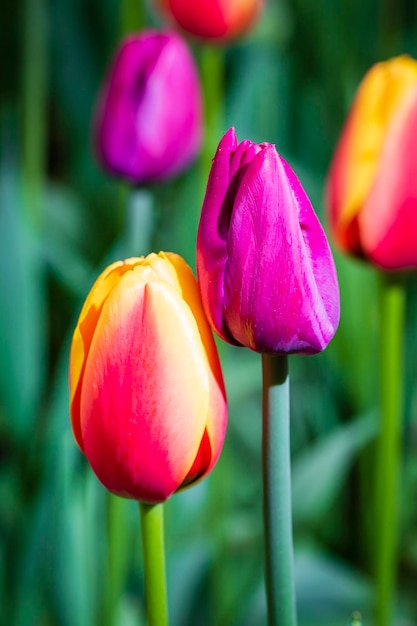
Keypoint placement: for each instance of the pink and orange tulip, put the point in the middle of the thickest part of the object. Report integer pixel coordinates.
(371, 191)
(213, 19)
(147, 399)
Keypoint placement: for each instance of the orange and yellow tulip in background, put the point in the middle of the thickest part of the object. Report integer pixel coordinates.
(372, 183)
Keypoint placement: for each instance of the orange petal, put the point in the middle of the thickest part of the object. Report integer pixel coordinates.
(216, 418)
(84, 332)
(388, 220)
(377, 102)
(145, 391)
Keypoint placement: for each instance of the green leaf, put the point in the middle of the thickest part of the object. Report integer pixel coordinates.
(319, 472)
(22, 315)
(354, 347)
(328, 589)
(67, 226)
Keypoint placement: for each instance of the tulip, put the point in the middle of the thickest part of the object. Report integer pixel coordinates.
(213, 19)
(371, 190)
(148, 122)
(147, 399)
(266, 273)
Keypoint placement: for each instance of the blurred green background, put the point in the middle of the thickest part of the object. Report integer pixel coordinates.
(288, 82)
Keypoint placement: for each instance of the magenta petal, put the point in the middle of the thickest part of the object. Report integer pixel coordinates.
(321, 259)
(266, 272)
(212, 235)
(148, 119)
(279, 272)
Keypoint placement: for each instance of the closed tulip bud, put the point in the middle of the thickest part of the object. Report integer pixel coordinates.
(147, 399)
(213, 19)
(265, 270)
(148, 122)
(371, 189)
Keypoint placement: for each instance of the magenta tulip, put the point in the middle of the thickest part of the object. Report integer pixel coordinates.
(266, 272)
(148, 121)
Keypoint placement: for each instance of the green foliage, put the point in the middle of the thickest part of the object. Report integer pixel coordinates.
(22, 328)
(290, 82)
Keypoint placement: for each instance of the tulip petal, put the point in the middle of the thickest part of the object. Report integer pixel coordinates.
(86, 324)
(388, 220)
(214, 19)
(204, 20)
(83, 333)
(212, 235)
(317, 250)
(168, 141)
(144, 396)
(277, 266)
(148, 119)
(356, 159)
(216, 417)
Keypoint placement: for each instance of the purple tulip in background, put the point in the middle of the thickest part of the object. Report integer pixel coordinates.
(148, 119)
(265, 269)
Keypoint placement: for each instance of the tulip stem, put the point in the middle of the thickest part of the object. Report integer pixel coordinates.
(279, 557)
(139, 223)
(212, 73)
(392, 316)
(132, 16)
(118, 555)
(152, 524)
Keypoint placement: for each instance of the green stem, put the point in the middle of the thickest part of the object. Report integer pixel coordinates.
(279, 576)
(135, 205)
(389, 31)
(34, 100)
(391, 333)
(118, 555)
(132, 16)
(139, 223)
(152, 524)
(212, 79)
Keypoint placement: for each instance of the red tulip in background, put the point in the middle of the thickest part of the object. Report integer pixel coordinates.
(148, 405)
(148, 124)
(372, 183)
(214, 19)
(265, 270)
